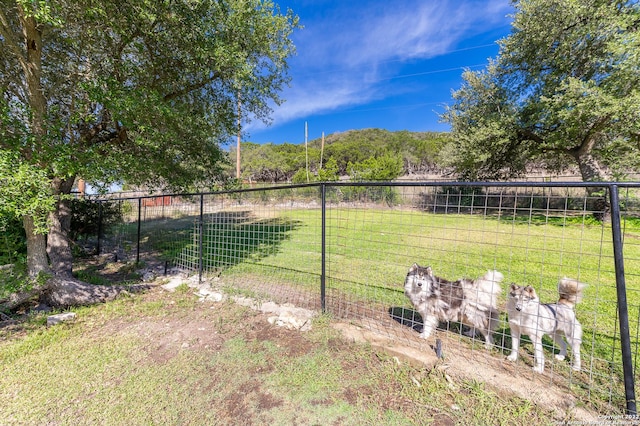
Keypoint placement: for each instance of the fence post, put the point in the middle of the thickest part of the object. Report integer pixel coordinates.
(139, 224)
(200, 238)
(323, 244)
(623, 312)
(99, 226)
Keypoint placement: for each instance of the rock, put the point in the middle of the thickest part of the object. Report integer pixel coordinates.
(289, 316)
(148, 275)
(59, 318)
(41, 308)
(173, 283)
(209, 294)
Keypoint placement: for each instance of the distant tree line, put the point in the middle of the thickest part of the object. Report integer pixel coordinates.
(370, 154)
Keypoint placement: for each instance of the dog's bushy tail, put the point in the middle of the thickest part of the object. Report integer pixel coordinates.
(493, 277)
(570, 291)
(487, 288)
(490, 282)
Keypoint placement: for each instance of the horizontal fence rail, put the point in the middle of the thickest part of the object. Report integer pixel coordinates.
(345, 248)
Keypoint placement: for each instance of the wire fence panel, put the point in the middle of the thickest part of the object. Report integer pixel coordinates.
(533, 236)
(348, 249)
(265, 244)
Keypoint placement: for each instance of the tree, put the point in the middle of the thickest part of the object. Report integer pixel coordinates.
(384, 168)
(564, 90)
(135, 91)
(269, 162)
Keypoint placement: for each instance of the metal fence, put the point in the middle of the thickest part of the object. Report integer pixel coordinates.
(345, 249)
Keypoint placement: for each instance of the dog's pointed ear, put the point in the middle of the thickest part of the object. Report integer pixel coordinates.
(414, 267)
(514, 287)
(530, 290)
(429, 271)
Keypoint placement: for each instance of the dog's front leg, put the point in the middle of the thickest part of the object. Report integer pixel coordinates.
(488, 338)
(577, 364)
(538, 354)
(575, 340)
(515, 343)
(562, 344)
(428, 324)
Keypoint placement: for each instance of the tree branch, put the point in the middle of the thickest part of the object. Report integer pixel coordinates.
(528, 134)
(190, 88)
(588, 141)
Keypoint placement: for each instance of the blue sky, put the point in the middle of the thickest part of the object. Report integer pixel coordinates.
(389, 64)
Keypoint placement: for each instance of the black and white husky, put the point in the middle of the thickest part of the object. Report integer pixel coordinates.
(528, 316)
(471, 302)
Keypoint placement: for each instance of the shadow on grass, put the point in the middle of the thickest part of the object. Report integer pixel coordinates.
(412, 319)
(227, 239)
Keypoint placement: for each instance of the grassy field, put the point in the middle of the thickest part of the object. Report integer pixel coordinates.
(167, 358)
(373, 249)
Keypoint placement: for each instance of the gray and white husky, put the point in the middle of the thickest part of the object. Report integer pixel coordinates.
(528, 316)
(471, 302)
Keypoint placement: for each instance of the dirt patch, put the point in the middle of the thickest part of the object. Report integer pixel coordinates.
(504, 376)
(166, 338)
(386, 329)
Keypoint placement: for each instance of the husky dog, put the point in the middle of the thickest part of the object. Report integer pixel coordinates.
(471, 302)
(528, 316)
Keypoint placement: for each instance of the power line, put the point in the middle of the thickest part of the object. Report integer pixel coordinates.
(340, 70)
(431, 72)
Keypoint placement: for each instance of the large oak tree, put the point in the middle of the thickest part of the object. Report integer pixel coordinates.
(564, 91)
(137, 91)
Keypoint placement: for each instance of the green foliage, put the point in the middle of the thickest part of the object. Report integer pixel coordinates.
(301, 176)
(384, 168)
(419, 150)
(89, 216)
(564, 91)
(142, 92)
(419, 153)
(24, 190)
(329, 171)
(13, 242)
(13, 256)
(463, 195)
(270, 162)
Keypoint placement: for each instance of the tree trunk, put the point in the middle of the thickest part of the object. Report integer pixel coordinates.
(58, 244)
(591, 171)
(36, 249)
(32, 67)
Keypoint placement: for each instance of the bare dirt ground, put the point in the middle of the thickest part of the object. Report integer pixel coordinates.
(503, 376)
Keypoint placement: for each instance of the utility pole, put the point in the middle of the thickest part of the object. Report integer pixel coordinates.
(239, 135)
(306, 149)
(321, 150)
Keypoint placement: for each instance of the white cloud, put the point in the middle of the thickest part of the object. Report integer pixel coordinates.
(343, 56)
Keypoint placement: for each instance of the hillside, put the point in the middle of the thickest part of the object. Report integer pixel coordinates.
(417, 152)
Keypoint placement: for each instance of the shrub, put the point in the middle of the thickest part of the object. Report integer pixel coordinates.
(88, 217)
(13, 241)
